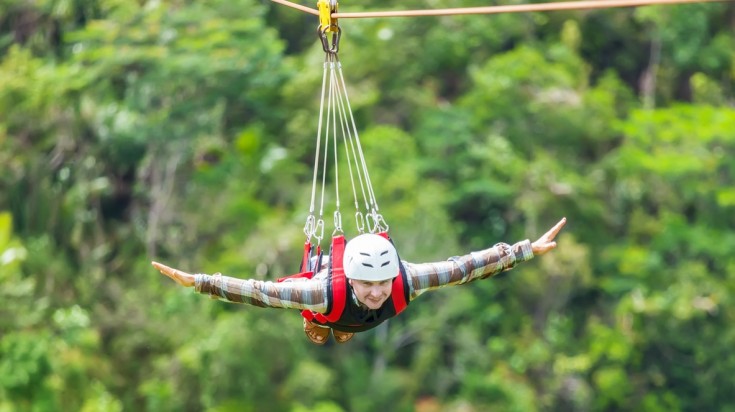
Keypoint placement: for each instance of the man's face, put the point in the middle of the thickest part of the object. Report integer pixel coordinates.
(372, 294)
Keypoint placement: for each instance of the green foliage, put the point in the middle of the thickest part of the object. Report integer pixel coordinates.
(673, 245)
(184, 132)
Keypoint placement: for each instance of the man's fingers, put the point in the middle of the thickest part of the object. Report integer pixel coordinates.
(558, 226)
(179, 276)
(548, 246)
(555, 230)
(163, 269)
(171, 272)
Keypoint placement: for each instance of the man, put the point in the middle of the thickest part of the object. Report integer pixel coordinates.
(364, 284)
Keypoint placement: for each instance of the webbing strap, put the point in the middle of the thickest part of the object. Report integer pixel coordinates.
(306, 275)
(306, 259)
(398, 293)
(338, 285)
(339, 281)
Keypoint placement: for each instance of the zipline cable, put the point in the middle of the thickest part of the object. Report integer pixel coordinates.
(297, 6)
(516, 8)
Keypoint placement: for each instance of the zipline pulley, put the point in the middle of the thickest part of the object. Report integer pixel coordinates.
(327, 25)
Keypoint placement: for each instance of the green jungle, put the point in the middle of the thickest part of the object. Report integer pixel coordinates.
(184, 132)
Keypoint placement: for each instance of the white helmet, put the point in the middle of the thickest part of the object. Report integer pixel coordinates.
(370, 257)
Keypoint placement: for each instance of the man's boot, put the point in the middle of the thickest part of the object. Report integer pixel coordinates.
(316, 333)
(342, 337)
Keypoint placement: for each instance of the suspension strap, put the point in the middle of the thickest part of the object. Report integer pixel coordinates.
(353, 149)
(335, 119)
(314, 228)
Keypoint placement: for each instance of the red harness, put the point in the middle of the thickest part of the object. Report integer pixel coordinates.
(339, 281)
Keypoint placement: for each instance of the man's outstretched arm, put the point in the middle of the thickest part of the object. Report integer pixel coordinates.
(293, 295)
(478, 265)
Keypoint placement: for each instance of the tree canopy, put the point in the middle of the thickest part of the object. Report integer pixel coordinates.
(184, 132)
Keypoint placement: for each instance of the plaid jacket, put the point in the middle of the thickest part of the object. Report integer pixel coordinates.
(312, 293)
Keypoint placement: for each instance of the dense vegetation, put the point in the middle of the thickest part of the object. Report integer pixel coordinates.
(183, 131)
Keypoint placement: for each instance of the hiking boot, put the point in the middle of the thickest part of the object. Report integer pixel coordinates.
(316, 333)
(342, 337)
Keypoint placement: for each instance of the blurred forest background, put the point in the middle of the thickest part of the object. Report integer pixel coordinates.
(183, 131)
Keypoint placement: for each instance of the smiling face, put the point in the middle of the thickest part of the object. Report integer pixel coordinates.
(372, 294)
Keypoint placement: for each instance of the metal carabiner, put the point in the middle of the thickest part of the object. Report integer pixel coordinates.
(360, 221)
(381, 223)
(309, 227)
(332, 48)
(319, 231)
(372, 224)
(337, 223)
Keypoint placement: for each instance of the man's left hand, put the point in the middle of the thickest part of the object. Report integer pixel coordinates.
(546, 242)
